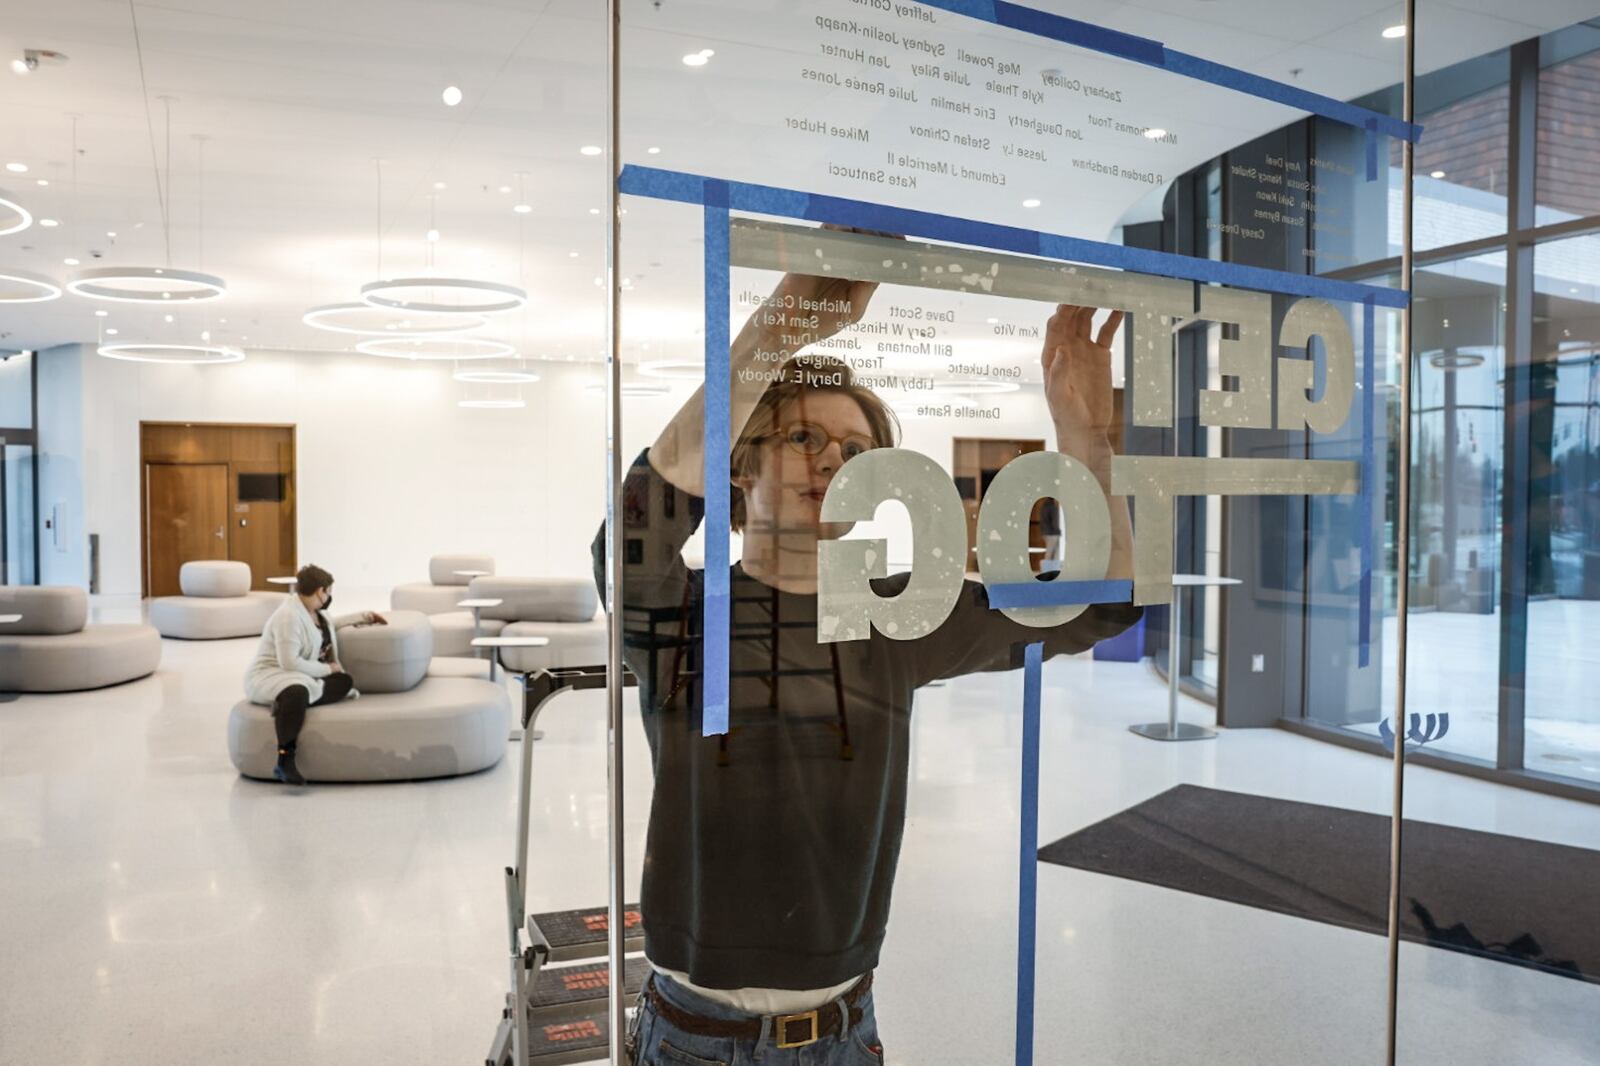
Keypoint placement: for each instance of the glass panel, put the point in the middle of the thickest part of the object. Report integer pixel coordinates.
(16, 390)
(851, 767)
(1563, 733)
(1458, 409)
(1569, 126)
(20, 524)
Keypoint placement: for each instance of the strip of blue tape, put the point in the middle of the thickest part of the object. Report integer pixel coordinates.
(1059, 593)
(1028, 853)
(1153, 53)
(787, 203)
(1369, 475)
(718, 449)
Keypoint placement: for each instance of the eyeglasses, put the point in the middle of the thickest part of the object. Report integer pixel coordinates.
(808, 438)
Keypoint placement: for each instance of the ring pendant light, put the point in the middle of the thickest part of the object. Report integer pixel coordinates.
(147, 285)
(436, 348)
(365, 320)
(30, 288)
(185, 354)
(489, 375)
(23, 218)
(478, 297)
(153, 285)
(673, 369)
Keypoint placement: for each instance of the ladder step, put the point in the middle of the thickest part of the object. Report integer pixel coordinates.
(562, 992)
(582, 934)
(585, 1038)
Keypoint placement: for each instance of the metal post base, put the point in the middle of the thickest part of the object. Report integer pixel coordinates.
(1176, 731)
(516, 734)
(8, 697)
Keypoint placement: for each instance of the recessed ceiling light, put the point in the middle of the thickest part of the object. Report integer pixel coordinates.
(1437, 174)
(572, 255)
(1155, 133)
(505, 188)
(451, 96)
(48, 223)
(594, 210)
(43, 181)
(992, 321)
(101, 314)
(111, 331)
(1393, 32)
(69, 261)
(1030, 202)
(438, 185)
(167, 317)
(589, 149)
(696, 59)
(522, 209)
(653, 150)
(17, 168)
(111, 233)
(433, 235)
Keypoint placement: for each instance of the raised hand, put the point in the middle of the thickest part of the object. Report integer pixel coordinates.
(1077, 379)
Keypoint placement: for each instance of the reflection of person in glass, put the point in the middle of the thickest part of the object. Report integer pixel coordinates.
(771, 851)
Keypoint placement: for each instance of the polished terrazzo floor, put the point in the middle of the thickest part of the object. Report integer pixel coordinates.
(157, 908)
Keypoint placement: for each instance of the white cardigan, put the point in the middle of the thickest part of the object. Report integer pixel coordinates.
(289, 650)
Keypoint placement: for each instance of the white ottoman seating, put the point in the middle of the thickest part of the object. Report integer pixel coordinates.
(52, 649)
(444, 587)
(387, 658)
(407, 725)
(444, 727)
(216, 604)
(564, 610)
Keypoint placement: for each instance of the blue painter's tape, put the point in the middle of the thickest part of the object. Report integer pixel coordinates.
(786, 203)
(1028, 853)
(1369, 475)
(1059, 593)
(718, 449)
(1372, 150)
(1152, 53)
(1082, 34)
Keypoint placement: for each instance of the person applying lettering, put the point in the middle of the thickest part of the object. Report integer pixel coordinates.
(771, 850)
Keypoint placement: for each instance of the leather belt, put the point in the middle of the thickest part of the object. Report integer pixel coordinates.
(787, 1030)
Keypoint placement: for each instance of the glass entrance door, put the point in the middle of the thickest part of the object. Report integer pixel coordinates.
(18, 526)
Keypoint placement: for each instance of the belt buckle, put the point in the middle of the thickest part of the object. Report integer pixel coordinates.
(782, 1040)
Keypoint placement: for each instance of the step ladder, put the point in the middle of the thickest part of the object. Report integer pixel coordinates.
(556, 1014)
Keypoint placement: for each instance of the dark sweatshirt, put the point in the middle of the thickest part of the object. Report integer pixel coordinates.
(771, 852)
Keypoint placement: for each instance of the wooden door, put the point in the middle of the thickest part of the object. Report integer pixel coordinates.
(187, 509)
(261, 519)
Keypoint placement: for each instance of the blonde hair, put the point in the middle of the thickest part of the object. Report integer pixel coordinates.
(826, 375)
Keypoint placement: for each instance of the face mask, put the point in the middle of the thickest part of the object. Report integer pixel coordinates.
(327, 602)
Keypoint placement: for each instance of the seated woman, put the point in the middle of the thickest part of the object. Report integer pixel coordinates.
(296, 665)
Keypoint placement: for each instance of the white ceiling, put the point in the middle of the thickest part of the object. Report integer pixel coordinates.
(297, 98)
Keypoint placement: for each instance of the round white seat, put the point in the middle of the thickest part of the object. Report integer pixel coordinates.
(444, 727)
(427, 598)
(571, 644)
(453, 633)
(387, 658)
(214, 577)
(93, 657)
(214, 617)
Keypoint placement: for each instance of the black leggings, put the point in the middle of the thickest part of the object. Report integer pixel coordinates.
(289, 708)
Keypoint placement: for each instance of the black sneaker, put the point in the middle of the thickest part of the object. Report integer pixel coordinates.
(286, 771)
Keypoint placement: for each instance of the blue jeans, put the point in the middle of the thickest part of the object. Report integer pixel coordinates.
(657, 1042)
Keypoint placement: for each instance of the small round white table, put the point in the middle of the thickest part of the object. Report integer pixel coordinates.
(494, 644)
(282, 580)
(1172, 729)
(476, 607)
(469, 574)
(9, 620)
